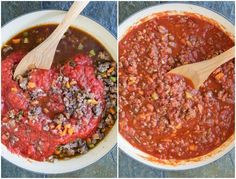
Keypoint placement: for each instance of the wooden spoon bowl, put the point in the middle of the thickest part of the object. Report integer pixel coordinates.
(198, 72)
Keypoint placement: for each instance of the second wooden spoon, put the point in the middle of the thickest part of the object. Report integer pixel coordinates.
(200, 71)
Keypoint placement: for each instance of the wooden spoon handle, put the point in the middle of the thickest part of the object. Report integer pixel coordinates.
(71, 15)
(42, 56)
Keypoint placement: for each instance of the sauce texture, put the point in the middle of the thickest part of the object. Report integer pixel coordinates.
(162, 114)
(63, 111)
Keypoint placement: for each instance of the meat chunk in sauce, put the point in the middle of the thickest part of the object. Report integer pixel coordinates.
(63, 111)
(162, 114)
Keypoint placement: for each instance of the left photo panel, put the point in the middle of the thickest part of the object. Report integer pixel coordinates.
(59, 89)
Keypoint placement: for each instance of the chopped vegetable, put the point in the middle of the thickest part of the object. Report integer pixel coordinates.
(31, 85)
(112, 111)
(200, 108)
(188, 95)
(73, 82)
(67, 84)
(192, 147)
(21, 112)
(141, 92)
(81, 46)
(91, 145)
(88, 141)
(67, 126)
(63, 132)
(104, 75)
(26, 40)
(16, 41)
(96, 136)
(35, 102)
(92, 101)
(14, 89)
(110, 70)
(103, 129)
(132, 80)
(52, 126)
(92, 53)
(39, 40)
(25, 34)
(71, 131)
(219, 76)
(57, 151)
(178, 126)
(45, 110)
(103, 55)
(58, 127)
(154, 96)
(113, 79)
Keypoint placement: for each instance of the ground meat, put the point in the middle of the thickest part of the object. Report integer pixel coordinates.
(162, 114)
(42, 111)
(57, 107)
(103, 67)
(81, 146)
(104, 56)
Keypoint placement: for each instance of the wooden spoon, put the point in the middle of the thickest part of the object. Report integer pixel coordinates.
(200, 71)
(42, 56)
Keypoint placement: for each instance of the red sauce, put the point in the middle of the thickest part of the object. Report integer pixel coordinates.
(27, 136)
(62, 112)
(162, 114)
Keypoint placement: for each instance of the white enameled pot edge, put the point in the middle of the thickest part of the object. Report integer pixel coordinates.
(109, 42)
(123, 144)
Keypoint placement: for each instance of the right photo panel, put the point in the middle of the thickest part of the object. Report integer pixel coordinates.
(176, 89)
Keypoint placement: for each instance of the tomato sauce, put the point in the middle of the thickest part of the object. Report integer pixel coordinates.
(61, 112)
(27, 136)
(162, 114)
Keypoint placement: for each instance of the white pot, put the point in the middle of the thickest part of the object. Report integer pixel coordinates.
(104, 37)
(143, 15)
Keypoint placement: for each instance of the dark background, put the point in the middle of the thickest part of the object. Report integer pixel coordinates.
(224, 167)
(105, 13)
